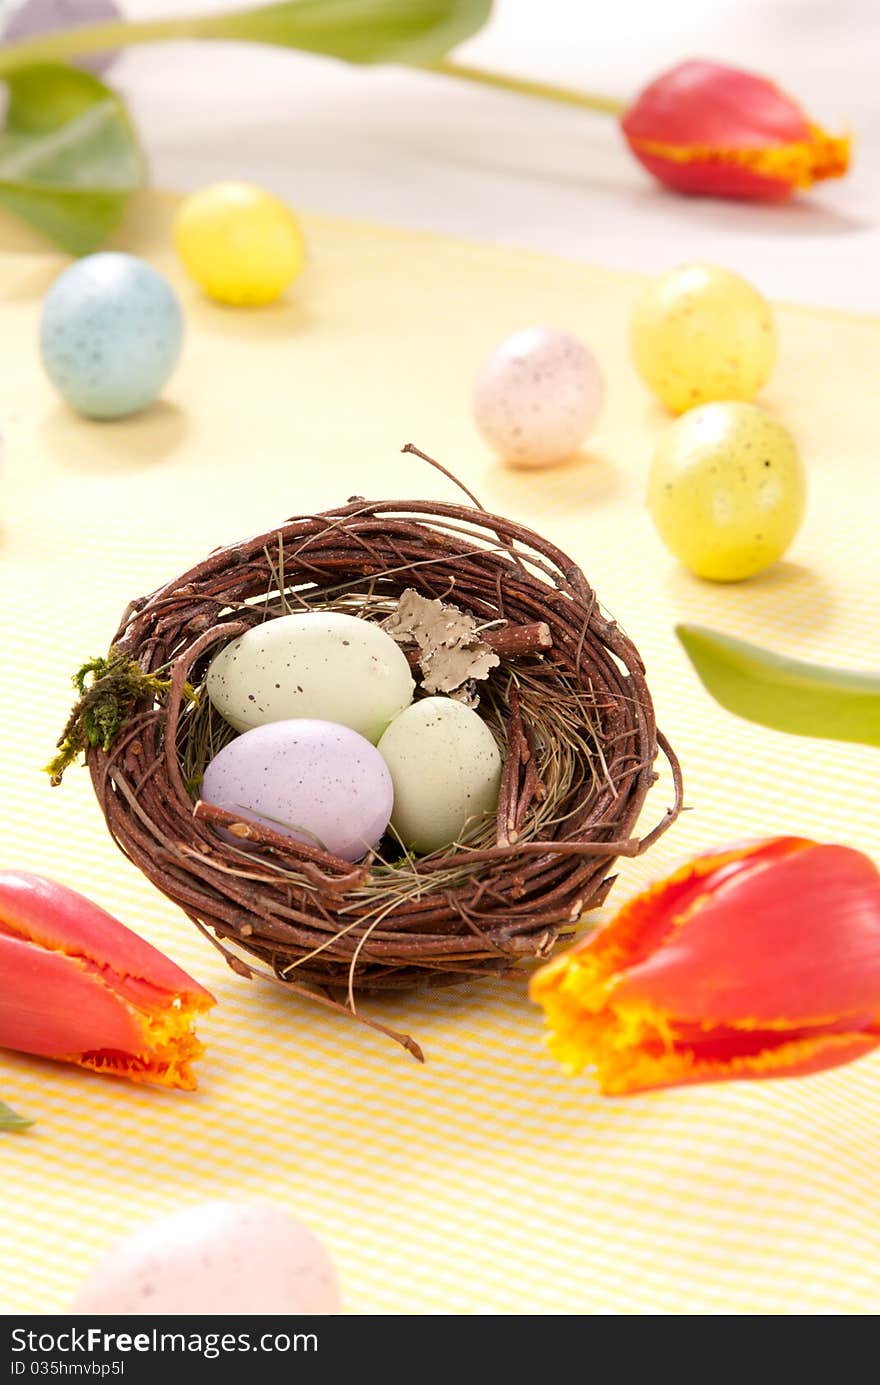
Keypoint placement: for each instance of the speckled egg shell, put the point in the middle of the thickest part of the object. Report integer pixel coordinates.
(537, 396)
(322, 664)
(214, 1259)
(700, 333)
(312, 780)
(727, 490)
(446, 769)
(110, 334)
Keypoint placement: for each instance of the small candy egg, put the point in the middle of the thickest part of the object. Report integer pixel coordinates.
(700, 333)
(322, 664)
(32, 18)
(217, 1259)
(110, 334)
(537, 395)
(446, 769)
(240, 244)
(312, 780)
(727, 490)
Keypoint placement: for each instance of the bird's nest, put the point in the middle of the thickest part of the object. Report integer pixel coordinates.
(567, 702)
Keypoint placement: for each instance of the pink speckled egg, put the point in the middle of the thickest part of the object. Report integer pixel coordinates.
(216, 1258)
(537, 395)
(313, 780)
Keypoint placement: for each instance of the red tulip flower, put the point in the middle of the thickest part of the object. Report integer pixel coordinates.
(757, 961)
(76, 984)
(710, 129)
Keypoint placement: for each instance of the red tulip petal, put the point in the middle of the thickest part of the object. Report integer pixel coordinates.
(786, 941)
(60, 919)
(706, 128)
(647, 920)
(56, 1006)
(710, 104)
(709, 176)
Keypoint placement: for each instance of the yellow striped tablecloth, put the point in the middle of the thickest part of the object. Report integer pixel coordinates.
(485, 1182)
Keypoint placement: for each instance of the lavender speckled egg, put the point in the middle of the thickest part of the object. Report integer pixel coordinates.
(34, 17)
(313, 780)
(537, 395)
(110, 334)
(214, 1259)
(446, 771)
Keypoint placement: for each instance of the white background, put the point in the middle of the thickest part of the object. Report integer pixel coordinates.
(402, 147)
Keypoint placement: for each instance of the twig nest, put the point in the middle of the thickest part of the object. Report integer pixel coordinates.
(565, 700)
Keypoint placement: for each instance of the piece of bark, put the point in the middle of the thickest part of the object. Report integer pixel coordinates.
(451, 651)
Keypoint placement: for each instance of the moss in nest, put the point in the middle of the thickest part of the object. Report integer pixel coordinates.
(109, 689)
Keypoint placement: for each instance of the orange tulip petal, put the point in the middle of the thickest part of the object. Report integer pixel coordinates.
(798, 164)
(758, 961)
(61, 995)
(632, 1050)
(56, 1006)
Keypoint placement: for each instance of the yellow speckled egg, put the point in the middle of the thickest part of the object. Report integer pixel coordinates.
(240, 244)
(727, 490)
(700, 333)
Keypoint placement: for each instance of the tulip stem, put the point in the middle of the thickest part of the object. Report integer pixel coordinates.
(65, 45)
(543, 91)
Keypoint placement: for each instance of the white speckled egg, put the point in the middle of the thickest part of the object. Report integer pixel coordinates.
(320, 664)
(312, 780)
(537, 396)
(446, 769)
(110, 334)
(216, 1259)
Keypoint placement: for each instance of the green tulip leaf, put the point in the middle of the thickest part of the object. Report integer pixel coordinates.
(11, 1120)
(359, 31)
(785, 694)
(69, 157)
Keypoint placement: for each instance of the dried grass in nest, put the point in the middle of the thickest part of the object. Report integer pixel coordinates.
(575, 723)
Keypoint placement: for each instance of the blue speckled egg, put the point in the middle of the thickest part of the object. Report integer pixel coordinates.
(110, 334)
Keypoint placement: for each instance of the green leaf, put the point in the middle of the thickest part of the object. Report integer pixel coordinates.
(359, 31)
(785, 694)
(11, 1120)
(69, 157)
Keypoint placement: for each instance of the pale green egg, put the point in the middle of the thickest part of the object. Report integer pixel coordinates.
(323, 665)
(446, 769)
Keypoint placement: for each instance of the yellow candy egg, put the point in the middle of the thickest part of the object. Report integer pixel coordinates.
(240, 244)
(727, 490)
(700, 333)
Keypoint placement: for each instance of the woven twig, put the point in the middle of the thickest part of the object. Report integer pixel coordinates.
(575, 722)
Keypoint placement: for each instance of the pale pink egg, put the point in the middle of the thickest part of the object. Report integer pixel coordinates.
(214, 1258)
(537, 396)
